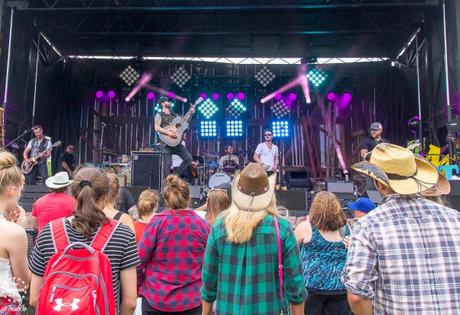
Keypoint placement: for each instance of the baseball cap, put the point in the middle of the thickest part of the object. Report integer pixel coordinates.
(163, 99)
(376, 125)
(362, 204)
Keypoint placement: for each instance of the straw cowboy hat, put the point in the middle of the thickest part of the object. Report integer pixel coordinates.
(252, 189)
(59, 180)
(398, 168)
(441, 188)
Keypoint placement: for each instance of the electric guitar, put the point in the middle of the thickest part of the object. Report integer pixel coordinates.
(179, 125)
(27, 167)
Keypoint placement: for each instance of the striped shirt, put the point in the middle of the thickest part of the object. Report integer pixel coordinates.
(121, 251)
(405, 257)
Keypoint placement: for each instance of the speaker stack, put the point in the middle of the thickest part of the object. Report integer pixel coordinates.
(147, 169)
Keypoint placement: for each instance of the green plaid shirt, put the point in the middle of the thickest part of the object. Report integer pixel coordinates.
(243, 278)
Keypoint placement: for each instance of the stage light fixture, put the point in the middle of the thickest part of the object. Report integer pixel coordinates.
(292, 96)
(158, 107)
(234, 128)
(317, 77)
(111, 94)
(150, 95)
(215, 96)
(203, 95)
(229, 96)
(280, 128)
(207, 108)
(208, 128)
(331, 96)
(129, 75)
(264, 76)
(279, 109)
(181, 77)
(241, 96)
(236, 108)
(99, 94)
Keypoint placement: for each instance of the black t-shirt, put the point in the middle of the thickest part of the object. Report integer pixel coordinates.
(69, 159)
(370, 143)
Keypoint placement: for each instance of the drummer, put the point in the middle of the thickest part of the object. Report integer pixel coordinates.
(229, 161)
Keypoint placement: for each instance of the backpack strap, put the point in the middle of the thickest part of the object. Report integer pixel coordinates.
(280, 259)
(118, 216)
(104, 234)
(59, 235)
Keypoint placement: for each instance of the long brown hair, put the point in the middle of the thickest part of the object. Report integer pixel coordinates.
(216, 203)
(176, 192)
(326, 213)
(89, 186)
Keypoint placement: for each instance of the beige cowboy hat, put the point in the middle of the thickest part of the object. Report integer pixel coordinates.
(399, 169)
(59, 180)
(252, 189)
(441, 188)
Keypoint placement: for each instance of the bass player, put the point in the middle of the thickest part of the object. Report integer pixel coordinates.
(38, 146)
(163, 119)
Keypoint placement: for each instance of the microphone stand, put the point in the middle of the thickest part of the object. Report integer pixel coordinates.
(17, 138)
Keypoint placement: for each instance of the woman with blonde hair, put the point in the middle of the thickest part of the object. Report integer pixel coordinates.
(112, 199)
(171, 252)
(14, 274)
(216, 203)
(147, 205)
(241, 262)
(323, 256)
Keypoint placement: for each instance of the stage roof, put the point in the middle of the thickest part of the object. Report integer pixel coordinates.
(228, 28)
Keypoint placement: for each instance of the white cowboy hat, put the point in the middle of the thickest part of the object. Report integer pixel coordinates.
(398, 168)
(252, 189)
(59, 180)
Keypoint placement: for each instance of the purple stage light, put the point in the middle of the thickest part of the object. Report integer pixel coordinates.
(150, 95)
(278, 96)
(99, 94)
(346, 97)
(215, 96)
(292, 96)
(171, 95)
(331, 96)
(203, 95)
(241, 96)
(229, 96)
(111, 94)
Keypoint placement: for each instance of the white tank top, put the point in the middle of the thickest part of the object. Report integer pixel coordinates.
(7, 285)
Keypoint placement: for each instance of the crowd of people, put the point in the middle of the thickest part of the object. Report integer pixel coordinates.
(237, 254)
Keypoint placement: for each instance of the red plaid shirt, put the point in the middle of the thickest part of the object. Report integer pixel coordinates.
(171, 253)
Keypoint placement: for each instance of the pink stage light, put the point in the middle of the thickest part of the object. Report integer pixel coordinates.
(215, 96)
(292, 96)
(203, 95)
(278, 96)
(331, 96)
(171, 95)
(112, 94)
(150, 95)
(241, 96)
(99, 94)
(229, 96)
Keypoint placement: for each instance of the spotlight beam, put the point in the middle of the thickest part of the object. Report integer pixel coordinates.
(300, 80)
(143, 83)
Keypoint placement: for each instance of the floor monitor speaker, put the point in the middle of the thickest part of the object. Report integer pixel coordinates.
(147, 169)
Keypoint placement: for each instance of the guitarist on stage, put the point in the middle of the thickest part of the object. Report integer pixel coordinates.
(161, 120)
(35, 146)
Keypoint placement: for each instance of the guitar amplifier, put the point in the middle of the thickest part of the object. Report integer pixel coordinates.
(147, 169)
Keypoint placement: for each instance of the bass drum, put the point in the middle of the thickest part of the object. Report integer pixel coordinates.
(219, 179)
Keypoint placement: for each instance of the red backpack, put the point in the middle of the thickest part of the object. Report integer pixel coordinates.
(78, 280)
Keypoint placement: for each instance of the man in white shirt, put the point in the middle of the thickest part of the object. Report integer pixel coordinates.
(266, 153)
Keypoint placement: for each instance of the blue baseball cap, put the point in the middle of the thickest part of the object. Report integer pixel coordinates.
(362, 204)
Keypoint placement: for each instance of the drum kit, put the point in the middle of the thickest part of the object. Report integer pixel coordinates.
(211, 174)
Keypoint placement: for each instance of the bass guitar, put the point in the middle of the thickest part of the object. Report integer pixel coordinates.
(27, 167)
(178, 125)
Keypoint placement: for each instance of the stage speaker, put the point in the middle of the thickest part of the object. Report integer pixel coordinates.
(147, 169)
(298, 179)
(296, 201)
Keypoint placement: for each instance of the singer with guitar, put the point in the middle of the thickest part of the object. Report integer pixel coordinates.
(171, 136)
(38, 146)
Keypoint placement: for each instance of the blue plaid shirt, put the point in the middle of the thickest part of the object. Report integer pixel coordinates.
(405, 256)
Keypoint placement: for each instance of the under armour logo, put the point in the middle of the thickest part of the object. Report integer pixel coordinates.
(60, 304)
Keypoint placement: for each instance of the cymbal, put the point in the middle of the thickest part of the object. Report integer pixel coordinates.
(211, 153)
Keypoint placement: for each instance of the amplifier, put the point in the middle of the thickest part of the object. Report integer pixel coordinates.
(340, 187)
(147, 169)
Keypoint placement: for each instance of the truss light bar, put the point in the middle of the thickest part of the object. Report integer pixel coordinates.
(208, 128)
(280, 128)
(51, 44)
(234, 128)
